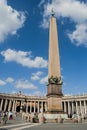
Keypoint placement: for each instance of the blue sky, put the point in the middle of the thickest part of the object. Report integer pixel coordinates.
(24, 39)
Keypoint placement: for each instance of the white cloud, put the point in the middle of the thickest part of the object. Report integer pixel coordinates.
(45, 23)
(73, 9)
(41, 3)
(9, 80)
(36, 76)
(38, 93)
(79, 35)
(24, 58)
(10, 20)
(24, 84)
(13, 92)
(2, 83)
(39, 73)
(44, 80)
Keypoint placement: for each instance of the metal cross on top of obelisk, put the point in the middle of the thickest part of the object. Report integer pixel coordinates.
(52, 12)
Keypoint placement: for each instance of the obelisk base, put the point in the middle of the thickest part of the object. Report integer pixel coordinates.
(54, 98)
(55, 118)
(54, 104)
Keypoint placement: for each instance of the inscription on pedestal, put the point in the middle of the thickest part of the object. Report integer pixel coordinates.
(54, 104)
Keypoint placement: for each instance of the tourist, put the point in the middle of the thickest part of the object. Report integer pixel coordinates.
(75, 117)
(5, 117)
(80, 118)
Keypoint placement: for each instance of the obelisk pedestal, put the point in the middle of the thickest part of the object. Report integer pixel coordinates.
(54, 98)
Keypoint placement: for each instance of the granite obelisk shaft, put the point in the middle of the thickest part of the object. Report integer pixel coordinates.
(54, 60)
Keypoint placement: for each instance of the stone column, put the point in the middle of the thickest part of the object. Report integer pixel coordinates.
(9, 107)
(45, 106)
(76, 108)
(21, 102)
(64, 106)
(5, 105)
(13, 107)
(41, 107)
(80, 107)
(1, 105)
(30, 106)
(72, 108)
(68, 107)
(27, 107)
(38, 107)
(85, 106)
(34, 106)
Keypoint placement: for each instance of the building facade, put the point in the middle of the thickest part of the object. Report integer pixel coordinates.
(31, 104)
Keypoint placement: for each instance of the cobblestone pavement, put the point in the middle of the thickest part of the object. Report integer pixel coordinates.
(19, 124)
(55, 126)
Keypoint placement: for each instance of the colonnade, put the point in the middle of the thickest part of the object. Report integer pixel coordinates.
(20, 103)
(7, 104)
(76, 104)
(33, 104)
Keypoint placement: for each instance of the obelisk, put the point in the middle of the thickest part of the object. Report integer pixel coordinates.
(54, 88)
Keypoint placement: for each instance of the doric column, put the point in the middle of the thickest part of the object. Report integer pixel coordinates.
(68, 107)
(45, 106)
(1, 105)
(9, 107)
(72, 108)
(80, 107)
(34, 106)
(21, 103)
(85, 106)
(42, 106)
(27, 107)
(5, 105)
(13, 107)
(64, 106)
(30, 106)
(38, 107)
(76, 107)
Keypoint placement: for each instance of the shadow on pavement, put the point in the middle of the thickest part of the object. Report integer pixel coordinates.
(3, 129)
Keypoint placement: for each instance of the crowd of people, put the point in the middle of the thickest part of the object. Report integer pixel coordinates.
(4, 116)
(36, 117)
(77, 117)
(31, 117)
